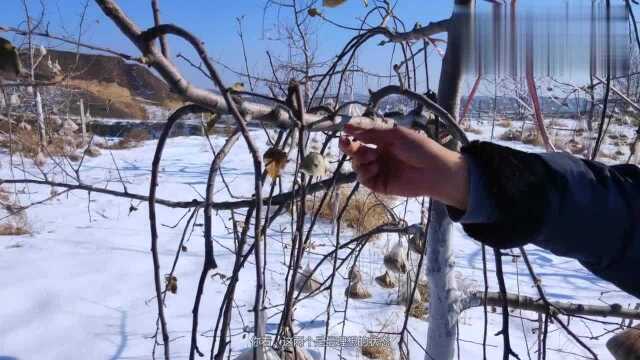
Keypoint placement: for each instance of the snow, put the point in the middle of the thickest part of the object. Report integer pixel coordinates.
(80, 286)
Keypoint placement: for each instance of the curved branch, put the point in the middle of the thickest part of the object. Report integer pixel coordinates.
(155, 168)
(209, 260)
(537, 110)
(430, 105)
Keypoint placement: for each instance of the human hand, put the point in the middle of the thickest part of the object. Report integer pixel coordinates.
(404, 162)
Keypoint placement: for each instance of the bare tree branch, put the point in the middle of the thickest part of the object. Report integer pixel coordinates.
(279, 199)
(522, 302)
(164, 46)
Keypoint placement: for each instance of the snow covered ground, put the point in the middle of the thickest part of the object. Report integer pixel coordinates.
(80, 286)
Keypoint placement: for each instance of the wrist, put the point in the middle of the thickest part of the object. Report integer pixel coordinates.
(455, 182)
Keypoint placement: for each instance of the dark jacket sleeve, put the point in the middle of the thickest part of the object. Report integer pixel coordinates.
(575, 208)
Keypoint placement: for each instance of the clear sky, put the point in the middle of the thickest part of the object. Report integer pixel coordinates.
(214, 21)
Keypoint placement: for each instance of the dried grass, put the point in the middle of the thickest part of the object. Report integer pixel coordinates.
(417, 243)
(395, 260)
(365, 210)
(16, 222)
(112, 93)
(532, 138)
(22, 141)
(386, 281)
(419, 310)
(26, 141)
(109, 90)
(471, 130)
(92, 151)
(294, 353)
(511, 135)
(380, 352)
(75, 156)
(423, 289)
(504, 123)
(305, 282)
(357, 290)
(9, 228)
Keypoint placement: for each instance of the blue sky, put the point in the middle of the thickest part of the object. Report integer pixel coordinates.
(214, 21)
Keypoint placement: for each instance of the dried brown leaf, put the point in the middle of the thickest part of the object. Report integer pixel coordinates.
(275, 160)
(333, 3)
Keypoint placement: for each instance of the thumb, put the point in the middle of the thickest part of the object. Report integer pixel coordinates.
(370, 136)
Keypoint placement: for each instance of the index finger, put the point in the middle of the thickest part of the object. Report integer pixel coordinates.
(370, 136)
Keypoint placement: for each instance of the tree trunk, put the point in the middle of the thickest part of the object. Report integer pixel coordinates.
(444, 300)
(83, 122)
(40, 113)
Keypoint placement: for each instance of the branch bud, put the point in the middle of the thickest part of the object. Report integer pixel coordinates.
(313, 12)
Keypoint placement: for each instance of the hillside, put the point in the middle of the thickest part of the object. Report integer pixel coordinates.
(109, 86)
(139, 80)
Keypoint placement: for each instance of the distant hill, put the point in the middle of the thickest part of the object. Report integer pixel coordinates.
(139, 80)
(109, 86)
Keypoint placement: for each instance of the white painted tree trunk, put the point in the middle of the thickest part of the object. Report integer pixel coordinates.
(443, 300)
(83, 121)
(444, 304)
(203, 125)
(40, 114)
